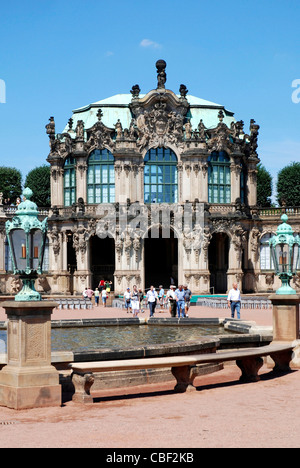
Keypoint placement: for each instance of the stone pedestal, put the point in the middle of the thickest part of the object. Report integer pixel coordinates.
(285, 317)
(29, 380)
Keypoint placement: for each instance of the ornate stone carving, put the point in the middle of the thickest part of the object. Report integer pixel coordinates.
(160, 127)
(80, 238)
(55, 240)
(100, 136)
(161, 73)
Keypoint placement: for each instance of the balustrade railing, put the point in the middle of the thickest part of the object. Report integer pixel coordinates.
(278, 211)
(264, 212)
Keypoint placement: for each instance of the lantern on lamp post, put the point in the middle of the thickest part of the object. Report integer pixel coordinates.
(285, 252)
(27, 240)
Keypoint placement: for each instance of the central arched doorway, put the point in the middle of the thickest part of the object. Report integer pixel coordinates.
(102, 260)
(161, 259)
(218, 255)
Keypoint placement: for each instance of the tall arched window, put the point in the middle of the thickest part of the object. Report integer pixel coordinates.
(101, 177)
(69, 182)
(266, 262)
(219, 186)
(160, 176)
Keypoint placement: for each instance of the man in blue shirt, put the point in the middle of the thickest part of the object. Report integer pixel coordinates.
(180, 293)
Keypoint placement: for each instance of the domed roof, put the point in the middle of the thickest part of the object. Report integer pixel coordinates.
(118, 107)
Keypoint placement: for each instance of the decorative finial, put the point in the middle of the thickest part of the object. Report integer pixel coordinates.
(27, 193)
(183, 90)
(135, 91)
(161, 73)
(221, 116)
(99, 115)
(50, 127)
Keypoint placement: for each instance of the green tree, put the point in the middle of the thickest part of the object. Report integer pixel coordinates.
(264, 186)
(288, 185)
(10, 183)
(38, 180)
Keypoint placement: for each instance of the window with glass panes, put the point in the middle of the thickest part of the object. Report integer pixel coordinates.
(160, 176)
(101, 177)
(69, 182)
(266, 262)
(219, 184)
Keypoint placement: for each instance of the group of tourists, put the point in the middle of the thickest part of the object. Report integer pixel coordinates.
(102, 291)
(178, 300)
(9, 202)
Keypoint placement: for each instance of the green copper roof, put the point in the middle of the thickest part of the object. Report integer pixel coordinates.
(117, 107)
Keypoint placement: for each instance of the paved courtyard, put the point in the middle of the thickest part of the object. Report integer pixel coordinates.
(221, 413)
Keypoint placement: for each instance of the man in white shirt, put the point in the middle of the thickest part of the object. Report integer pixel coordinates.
(151, 299)
(234, 300)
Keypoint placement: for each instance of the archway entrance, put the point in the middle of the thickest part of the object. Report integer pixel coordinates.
(161, 260)
(102, 260)
(218, 262)
(71, 260)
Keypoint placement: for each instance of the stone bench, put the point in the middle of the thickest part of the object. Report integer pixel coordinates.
(183, 367)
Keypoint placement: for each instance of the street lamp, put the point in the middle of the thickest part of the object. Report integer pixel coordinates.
(27, 240)
(285, 251)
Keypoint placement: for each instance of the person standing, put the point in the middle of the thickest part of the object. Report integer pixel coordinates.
(97, 294)
(151, 300)
(141, 300)
(161, 295)
(187, 299)
(180, 301)
(234, 300)
(89, 293)
(104, 295)
(135, 303)
(127, 298)
(171, 298)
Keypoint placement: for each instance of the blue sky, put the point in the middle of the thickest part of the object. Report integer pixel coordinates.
(60, 55)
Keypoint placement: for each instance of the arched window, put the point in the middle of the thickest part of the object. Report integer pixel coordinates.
(266, 262)
(160, 176)
(101, 177)
(219, 186)
(69, 182)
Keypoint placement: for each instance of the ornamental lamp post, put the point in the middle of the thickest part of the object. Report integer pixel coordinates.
(285, 251)
(29, 380)
(285, 303)
(27, 240)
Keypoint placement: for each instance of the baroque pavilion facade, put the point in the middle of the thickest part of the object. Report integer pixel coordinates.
(154, 188)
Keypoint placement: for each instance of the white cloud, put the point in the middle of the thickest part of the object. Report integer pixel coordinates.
(109, 53)
(149, 43)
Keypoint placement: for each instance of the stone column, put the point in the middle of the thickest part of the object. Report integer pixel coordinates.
(235, 182)
(252, 186)
(29, 380)
(81, 179)
(57, 184)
